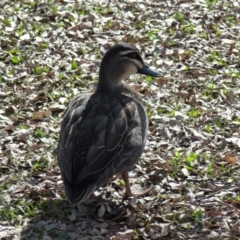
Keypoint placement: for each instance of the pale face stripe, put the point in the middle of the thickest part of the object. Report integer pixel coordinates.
(126, 52)
(137, 62)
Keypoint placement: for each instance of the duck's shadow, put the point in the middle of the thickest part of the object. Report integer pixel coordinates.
(60, 220)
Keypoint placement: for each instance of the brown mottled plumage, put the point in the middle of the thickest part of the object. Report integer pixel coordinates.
(104, 133)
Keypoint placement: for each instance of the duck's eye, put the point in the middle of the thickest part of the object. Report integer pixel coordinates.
(132, 55)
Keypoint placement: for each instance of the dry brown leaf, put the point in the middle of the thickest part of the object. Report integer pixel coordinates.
(231, 158)
(9, 128)
(39, 116)
(35, 147)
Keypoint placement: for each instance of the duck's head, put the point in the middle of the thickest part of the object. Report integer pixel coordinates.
(119, 62)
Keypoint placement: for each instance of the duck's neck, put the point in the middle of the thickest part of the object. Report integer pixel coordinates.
(109, 84)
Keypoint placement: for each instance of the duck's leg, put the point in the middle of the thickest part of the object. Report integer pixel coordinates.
(137, 192)
(128, 192)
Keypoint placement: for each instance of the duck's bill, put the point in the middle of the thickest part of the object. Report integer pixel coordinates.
(149, 72)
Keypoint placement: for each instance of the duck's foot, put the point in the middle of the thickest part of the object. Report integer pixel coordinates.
(137, 191)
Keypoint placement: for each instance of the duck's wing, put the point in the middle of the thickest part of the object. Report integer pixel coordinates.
(93, 135)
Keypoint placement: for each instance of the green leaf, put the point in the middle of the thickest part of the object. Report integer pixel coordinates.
(121, 182)
(149, 79)
(14, 51)
(15, 60)
(74, 65)
(46, 69)
(178, 154)
(218, 122)
(179, 17)
(39, 133)
(208, 128)
(194, 113)
(38, 70)
(191, 157)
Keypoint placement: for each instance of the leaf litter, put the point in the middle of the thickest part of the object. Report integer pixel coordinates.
(50, 52)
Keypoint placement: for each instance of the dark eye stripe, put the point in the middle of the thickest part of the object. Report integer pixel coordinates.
(134, 55)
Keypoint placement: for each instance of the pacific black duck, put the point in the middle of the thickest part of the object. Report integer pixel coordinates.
(104, 133)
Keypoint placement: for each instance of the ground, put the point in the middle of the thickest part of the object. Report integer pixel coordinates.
(50, 52)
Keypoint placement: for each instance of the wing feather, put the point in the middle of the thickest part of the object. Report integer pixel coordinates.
(92, 144)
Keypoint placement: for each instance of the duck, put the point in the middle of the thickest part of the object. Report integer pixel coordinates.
(104, 133)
